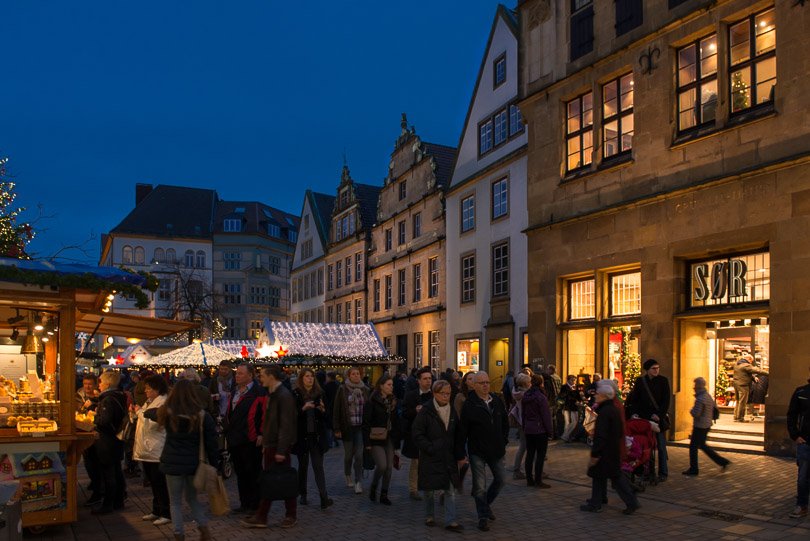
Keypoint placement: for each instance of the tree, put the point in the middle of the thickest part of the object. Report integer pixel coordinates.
(14, 235)
(185, 295)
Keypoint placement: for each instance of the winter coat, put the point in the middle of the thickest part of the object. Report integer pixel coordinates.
(181, 452)
(759, 390)
(608, 439)
(341, 421)
(279, 420)
(485, 429)
(570, 397)
(744, 373)
(314, 433)
(535, 413)
(412, 400)
(439, 448)
(149, 436)
(243, 422)
(798, 415)
(381, 413)
(639, 403)
(112, 409)
(703, 410)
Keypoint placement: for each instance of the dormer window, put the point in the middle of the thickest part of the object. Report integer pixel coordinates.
(344, 197)
(274, 230)
(232, 225)
(292, 235)
(499, 71)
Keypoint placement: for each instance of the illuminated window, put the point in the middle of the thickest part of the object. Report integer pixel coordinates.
(625, 294)
(617, 116)
(752, 61)
(697, 83)
(579, 131)
(581, 299)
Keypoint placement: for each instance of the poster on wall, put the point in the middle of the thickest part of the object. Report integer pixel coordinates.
(42, 477)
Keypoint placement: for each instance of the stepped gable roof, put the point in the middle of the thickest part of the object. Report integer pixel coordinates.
(322, 205)
(368, 196)
(172, 211)
(445, 158)
(254, 215)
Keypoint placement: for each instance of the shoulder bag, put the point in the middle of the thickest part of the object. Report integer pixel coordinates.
(205, 478)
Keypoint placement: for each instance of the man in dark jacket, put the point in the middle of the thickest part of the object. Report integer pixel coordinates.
(440, 455)
(744, 374)
(606, 454)
(110, 414)
(798, 423)
(241, 431)
(650, 399)
(330, 389)
(414, 400)
(484, 428)
(279, 433)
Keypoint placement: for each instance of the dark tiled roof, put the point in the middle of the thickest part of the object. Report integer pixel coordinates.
(445, 158)
(172, 211)
(368, 196)
(255, 217)
(322, 206)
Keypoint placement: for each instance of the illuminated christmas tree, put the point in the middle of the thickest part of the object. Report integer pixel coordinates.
(740, 98)
(14, 235)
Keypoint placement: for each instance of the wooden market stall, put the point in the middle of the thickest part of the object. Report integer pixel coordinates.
(42, 307)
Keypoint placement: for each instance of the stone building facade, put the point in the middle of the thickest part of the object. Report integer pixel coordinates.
(406, 277)
(353, 217)
(668, 211)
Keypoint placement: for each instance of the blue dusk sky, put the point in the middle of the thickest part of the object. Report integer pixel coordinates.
(257, 99)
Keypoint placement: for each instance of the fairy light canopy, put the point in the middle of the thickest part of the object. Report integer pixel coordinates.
(191, 355)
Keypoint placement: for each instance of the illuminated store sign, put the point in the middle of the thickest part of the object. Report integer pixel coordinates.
(731, 281)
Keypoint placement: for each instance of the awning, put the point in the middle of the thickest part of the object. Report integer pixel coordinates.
(130, 326)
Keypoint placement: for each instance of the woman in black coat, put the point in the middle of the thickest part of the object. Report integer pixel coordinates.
(310, 445)
(381, 435)
(434, 434)
(606, 454)
(185, 422)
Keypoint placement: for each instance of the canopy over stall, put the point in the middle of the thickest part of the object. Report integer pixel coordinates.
(193, 355)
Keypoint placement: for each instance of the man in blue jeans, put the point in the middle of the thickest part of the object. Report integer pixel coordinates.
(485, 430)
(798, 424)
(650, 400)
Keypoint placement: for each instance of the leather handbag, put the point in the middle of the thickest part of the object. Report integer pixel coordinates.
(378, 433)
(205, 478)
(278, 482)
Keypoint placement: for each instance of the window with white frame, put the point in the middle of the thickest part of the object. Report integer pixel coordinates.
(468, 278)
(358, 311)
(625, 294)
(232, 260)
(126, 255)
(188, 260)
(200, 259)
(581, 299)
(274, 230)
(433, 269)
(403, 190)
(418, 348)
(500, 269)
(232, 225)
(401, 287)
(358, 267)
(499, 71)
(140, 255)
(417, 282)
(485, 137)
(515, 120)
(468, 213)
(500, 198)
(501, 127)
(165, 290)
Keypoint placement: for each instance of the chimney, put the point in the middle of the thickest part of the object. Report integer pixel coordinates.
(141, 191)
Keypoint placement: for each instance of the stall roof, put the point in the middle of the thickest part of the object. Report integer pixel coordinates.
(191, 355)
(325, 339)
(130, 326)
(111, 274)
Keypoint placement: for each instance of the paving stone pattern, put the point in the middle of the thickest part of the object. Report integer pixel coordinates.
(751, 501)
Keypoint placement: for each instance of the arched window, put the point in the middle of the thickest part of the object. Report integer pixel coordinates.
(160, 256)
(126, 255)
(189, 259)
(200, 259)
(171, 256)
(140, 255)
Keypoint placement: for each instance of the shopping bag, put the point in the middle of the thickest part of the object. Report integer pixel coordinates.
(218, 498)
(279, 482)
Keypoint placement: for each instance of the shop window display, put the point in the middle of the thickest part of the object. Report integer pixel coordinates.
(467, 355)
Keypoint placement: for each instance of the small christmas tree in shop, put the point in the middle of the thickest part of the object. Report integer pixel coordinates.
(721, 384)
(740, 96)
(14, 236)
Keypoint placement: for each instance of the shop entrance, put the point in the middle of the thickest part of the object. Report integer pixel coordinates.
(712, 350)
(497, 362)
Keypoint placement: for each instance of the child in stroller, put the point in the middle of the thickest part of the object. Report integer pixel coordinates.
(639, 462)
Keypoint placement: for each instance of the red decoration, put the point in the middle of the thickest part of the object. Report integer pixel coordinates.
(244, 353)
(281, 352)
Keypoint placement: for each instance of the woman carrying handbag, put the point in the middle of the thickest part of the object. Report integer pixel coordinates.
(311, 444)
(188, 429)
(381, 435)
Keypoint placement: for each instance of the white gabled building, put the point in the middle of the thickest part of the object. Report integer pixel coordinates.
(486, 215)
(308, 269)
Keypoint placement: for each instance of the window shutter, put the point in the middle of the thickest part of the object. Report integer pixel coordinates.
(629, 15)
(582, 33)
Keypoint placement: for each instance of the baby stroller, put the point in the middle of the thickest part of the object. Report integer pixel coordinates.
(639, 463)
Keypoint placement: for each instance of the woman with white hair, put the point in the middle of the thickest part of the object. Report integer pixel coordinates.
(200, 391)
(606, 454)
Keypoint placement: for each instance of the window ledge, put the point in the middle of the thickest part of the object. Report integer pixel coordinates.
(614, 162)
(757, 112)
(761, 112)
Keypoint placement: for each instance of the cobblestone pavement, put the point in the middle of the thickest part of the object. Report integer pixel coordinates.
(751, 501)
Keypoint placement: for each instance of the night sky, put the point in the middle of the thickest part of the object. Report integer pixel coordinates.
(257, 99)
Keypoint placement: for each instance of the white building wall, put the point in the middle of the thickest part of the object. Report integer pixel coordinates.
(303, 267)
(470, 318)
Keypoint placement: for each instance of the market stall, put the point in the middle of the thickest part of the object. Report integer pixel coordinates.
(327, 346)
(42, 306)
(195, 355)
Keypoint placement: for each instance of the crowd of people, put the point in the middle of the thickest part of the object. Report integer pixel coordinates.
(159, 427)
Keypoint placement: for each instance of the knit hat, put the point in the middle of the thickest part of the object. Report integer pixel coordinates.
(649, 363)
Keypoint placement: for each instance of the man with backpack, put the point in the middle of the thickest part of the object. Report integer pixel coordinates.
(704, 412)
